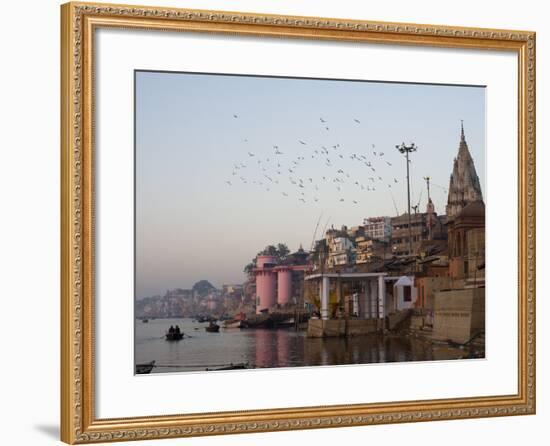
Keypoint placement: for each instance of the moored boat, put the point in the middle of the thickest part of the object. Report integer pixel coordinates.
(231, 366)
(235, 324)
(145, 368)
(212, 327)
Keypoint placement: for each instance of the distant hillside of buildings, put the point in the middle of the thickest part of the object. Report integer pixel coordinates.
(202, 298)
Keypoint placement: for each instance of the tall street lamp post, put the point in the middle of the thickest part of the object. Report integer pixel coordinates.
(406, 150)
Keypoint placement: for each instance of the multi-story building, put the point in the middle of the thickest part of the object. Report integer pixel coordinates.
(378, 228)
(424, 226)
(339, 248)
(400, 234)
(356, 231)
(363, 249)
(340, 251)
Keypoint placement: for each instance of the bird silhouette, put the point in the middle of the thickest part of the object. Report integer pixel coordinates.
(357, 121)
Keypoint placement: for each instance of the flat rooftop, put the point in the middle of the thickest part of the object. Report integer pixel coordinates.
(345, 275)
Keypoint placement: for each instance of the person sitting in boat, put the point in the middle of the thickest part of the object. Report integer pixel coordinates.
(177, 330)
(171, 329)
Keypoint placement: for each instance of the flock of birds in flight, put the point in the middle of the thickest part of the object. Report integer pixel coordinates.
(282, 171)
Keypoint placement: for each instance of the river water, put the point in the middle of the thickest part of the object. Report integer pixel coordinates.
(271, 348)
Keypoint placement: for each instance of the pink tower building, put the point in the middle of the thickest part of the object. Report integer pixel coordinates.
(284, 284)
(274, 282)
(266, 283)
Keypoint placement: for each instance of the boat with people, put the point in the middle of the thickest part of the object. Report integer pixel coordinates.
(174, 333)
(174, 336)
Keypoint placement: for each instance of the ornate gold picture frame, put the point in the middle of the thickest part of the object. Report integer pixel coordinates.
(79, 423)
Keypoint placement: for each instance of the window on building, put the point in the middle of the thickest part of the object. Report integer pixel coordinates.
(407, 293)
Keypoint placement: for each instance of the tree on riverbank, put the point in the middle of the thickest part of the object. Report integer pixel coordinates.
(279, 251)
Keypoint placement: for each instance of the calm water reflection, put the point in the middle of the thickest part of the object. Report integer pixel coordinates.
(270, 348)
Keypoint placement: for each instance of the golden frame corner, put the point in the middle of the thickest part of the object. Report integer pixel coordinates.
(78, 422)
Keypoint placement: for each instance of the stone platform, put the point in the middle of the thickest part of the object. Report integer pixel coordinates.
(459, 314)
(319, 328)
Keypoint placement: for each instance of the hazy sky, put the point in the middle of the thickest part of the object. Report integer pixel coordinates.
(192, 225)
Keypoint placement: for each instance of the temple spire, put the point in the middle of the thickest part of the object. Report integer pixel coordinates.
(464, 186)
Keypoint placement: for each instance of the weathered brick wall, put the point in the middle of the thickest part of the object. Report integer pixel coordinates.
(459, 314)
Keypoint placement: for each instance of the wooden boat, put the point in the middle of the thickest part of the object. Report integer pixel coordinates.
(145, 368)
(174, 336)
(145, 321)
(290, 322)
(231, 366)
(212, 327)
(235, 324)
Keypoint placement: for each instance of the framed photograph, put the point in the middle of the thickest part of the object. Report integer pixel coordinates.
(274, 223)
